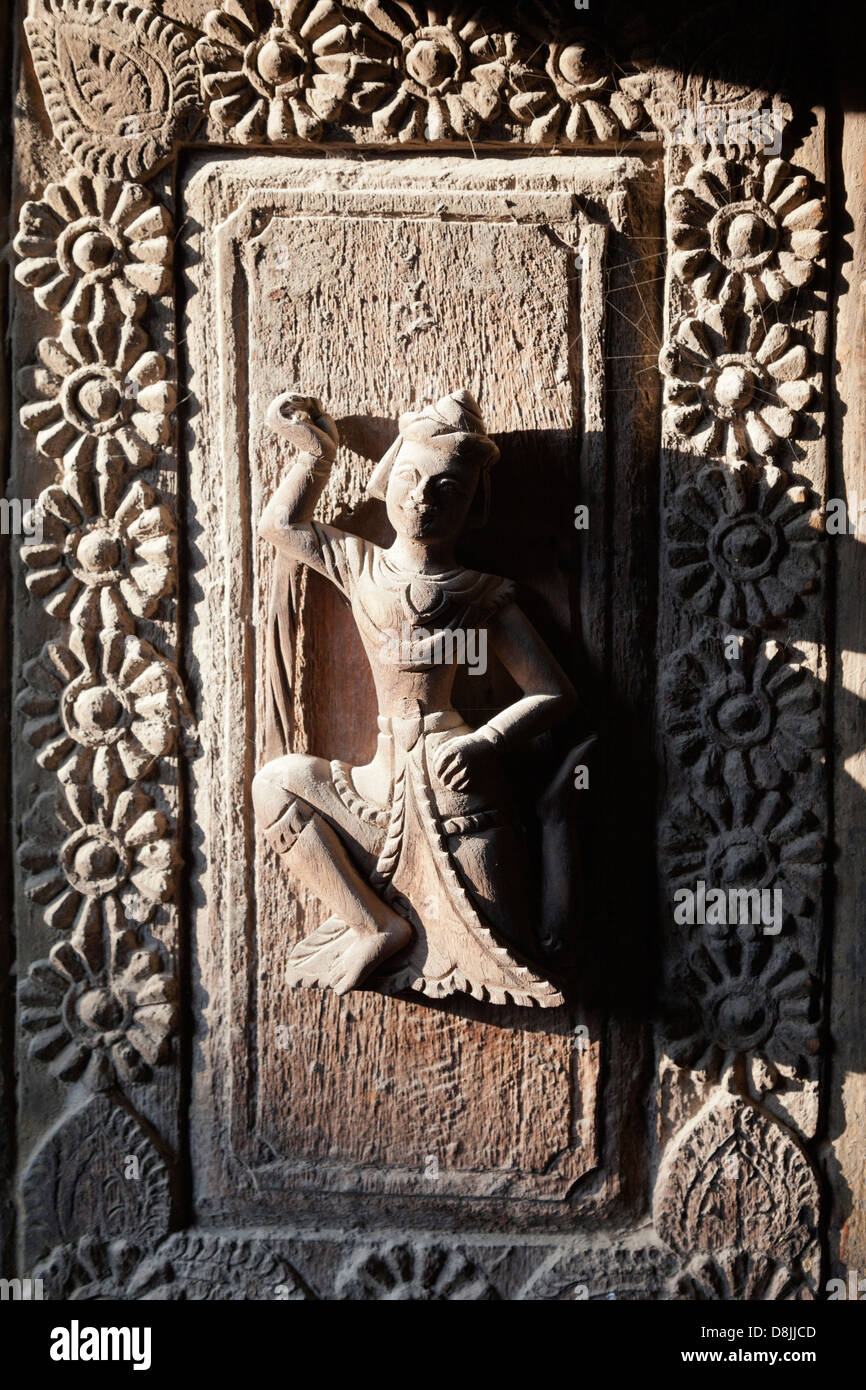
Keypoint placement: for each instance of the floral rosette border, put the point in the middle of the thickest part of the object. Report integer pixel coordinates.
(102, 705)
(740, 710)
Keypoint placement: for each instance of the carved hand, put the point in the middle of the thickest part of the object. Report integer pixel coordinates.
(302, 421)
(458, 762)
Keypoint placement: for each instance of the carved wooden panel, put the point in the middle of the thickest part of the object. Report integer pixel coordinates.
(374, 205)
(352, 292)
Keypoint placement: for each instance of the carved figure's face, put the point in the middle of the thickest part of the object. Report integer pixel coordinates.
(430, 492)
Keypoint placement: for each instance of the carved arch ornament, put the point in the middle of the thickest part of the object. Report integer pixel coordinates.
(124, 87)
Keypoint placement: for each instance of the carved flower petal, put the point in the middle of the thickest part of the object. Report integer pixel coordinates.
(60, 915)
(81, 191)
(38, 230)
(56, 357)
(389, 18)
(795, 271)
(227, 83)
(51, 1043)
(134, 757)
(130, 204)
(106, 773)
(780, 420)
(461, 117)
(250, 126)
(707, 187)
(228, 110)
(760, 437)
(137, 450)
(604, 123)
(53, 754)
(54, 439)
(386, 119)
(155, 251)
(155, 991)
(234, 29)
(809, 245)
(543, 129)
(39, 730)
(686, 418)
(153, 222)
(628, 111)
(150, 1030)
(36, 270)
(154, 428)
(281, 125)
(437, 125)
(807, 217)
(149, 826)
(159, 399)
(483, 97)
(529, 102)
(795, 394)
(153, 532)
(39, 415)
(790, 195)
(323, 103)
(149, 369)
(791, 367)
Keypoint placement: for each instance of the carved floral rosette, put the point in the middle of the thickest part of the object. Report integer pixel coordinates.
(103, 702)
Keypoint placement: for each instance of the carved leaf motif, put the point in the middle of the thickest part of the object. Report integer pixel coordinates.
(81, 1182)
(106, 84)
(734, 1177)
(118, 82)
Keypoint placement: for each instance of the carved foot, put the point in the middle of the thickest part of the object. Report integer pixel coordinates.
(364, 953)
(338, 957)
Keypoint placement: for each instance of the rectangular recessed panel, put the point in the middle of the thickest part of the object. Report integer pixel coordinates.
(374, 300)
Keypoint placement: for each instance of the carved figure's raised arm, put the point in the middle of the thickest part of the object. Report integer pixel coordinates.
(287, 519)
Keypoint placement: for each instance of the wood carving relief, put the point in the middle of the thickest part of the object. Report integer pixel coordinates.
(429, 824)
(214, 308)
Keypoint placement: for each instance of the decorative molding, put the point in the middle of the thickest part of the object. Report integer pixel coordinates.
(123, 85)
(741, 716)
(104, 706)
(190, 1266)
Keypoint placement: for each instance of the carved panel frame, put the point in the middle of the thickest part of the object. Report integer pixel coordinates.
(101, 948)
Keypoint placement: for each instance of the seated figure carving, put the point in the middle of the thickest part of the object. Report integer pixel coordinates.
(418, 856)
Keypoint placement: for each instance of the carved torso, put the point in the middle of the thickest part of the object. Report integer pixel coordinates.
(402, 618)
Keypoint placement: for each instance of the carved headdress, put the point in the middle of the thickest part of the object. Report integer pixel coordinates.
(453, 424)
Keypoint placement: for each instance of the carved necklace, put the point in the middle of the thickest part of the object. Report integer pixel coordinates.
(423, 597)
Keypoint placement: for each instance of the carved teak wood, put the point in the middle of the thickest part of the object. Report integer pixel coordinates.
(253, 761)
(428, 823)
